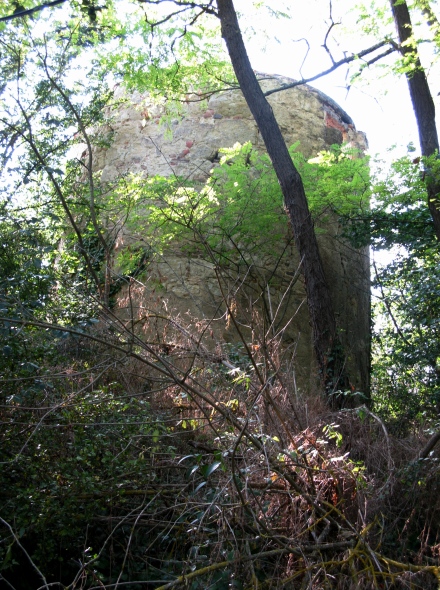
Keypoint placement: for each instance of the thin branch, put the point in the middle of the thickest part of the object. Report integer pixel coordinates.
(29, 11)
(3, 579)
(388, 306)
(57, 188)
(242, 558)
(307, 53)
(87, 564)
(329, 53)
(17, 540)
(165, 19)
(51, 411)
(391, 466)
(85, 135)
(188, 5)
(118, 581)
(338, 64)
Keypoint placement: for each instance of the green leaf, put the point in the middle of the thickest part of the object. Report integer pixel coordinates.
(200, 486)
(192, 470)
(7, 350)
(206, 470)
(185, 458)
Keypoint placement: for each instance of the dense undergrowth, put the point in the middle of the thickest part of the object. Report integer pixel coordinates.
(134, 455)
(118, 470)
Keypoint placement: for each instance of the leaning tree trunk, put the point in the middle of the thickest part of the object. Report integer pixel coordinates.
(328, 349)
(423, 105)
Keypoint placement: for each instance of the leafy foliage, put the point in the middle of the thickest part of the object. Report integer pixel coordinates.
(407, 346)
(242, 204)
(85, 461)
(406, 308)
(171, 60)
(376, 22)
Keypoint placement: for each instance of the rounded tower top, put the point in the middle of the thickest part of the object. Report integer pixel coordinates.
(184, 139)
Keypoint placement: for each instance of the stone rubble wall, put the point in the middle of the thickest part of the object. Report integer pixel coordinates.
(188, 286)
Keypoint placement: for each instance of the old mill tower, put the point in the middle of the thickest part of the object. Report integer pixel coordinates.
(266, 288)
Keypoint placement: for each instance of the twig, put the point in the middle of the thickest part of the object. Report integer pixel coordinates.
(391, 466)
(337, 65)
(17, 540)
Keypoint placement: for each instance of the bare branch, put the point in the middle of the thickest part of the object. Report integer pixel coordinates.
(329, 53)
(17, 540)
(187, 5)
(307, 53)
(338, 64)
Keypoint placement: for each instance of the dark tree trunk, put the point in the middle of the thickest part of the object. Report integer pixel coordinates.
(327, 346)
(423, 105)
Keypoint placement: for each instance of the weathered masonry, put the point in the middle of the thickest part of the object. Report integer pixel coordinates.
(187, 284)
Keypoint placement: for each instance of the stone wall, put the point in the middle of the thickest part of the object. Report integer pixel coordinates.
(188, 285)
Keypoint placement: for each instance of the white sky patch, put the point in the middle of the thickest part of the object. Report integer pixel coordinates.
(382, 109)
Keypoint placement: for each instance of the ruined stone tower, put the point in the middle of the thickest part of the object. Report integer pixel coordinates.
(188, 284)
